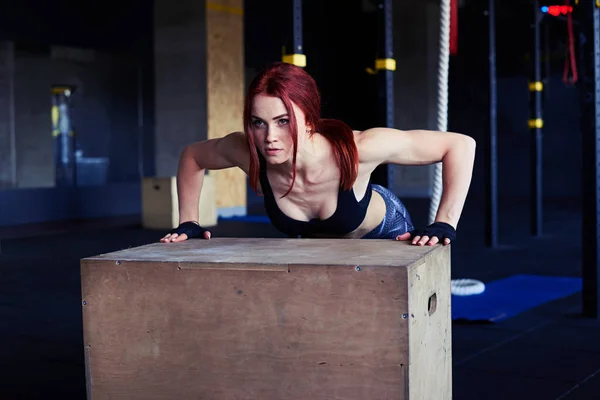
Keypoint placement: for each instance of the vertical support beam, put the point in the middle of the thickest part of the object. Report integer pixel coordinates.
(416, 85)
(536, 123)
(385, 65)
(589, 18)
(144, 50)
(140, 122)
(180, 85)
(8, 161)
(294, 44)
(491, 145)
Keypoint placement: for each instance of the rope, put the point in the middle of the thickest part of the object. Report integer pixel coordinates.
(442, 108)
(466, 287)
(459, 287)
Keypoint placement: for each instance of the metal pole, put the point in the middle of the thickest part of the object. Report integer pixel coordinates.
(294, 47)
(385, 65)
(491, 148)
(536, 123)
(547, 66)
(589, 15)
(140, 90)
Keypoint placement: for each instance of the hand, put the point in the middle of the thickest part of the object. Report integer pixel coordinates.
(431, 235)
(186, 230)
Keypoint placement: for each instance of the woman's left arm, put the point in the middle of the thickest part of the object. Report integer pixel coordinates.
(455, 151)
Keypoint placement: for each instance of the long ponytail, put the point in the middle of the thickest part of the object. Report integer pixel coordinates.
(341, 137)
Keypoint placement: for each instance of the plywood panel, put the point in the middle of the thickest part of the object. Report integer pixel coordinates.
(247, 334)
(242, 251)
(431, 319)
(225, 79)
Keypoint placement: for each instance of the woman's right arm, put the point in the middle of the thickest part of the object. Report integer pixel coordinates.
(212, 154)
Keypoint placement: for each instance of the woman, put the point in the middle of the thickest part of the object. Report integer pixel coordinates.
(315, 173)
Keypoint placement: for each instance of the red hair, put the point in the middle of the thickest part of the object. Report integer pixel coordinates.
(292, 84)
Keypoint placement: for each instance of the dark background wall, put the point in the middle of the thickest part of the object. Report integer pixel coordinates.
(469, 100)
(120, 31)
(339, 43)
(112, 110)
(104, 113)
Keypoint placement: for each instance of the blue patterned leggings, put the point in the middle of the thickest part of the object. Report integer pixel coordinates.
(396, 220)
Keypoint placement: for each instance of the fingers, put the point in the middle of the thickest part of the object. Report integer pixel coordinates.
(174, 238)
(180, 238)
(420, 240)
(423, 240)
(426, 240)
(404, 236)
(170, 238)
(434, 240)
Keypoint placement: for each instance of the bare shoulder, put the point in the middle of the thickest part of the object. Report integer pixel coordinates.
(370, 143)
(408, 147)
(236, 139)
(228, 151)
(235, 147)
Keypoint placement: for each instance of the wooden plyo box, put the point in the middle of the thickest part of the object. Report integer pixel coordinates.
(160, 206)
(250, 318)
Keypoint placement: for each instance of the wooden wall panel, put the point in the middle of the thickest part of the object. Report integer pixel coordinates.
(225, 62)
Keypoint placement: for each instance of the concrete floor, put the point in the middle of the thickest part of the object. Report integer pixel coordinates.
(549, 352)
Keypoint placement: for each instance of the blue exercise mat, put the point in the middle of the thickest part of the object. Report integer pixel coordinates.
(260, 219)
(508, 297)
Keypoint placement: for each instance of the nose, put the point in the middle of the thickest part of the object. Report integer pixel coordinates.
(270, 136)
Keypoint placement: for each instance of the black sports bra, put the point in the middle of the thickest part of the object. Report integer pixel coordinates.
(348, 215)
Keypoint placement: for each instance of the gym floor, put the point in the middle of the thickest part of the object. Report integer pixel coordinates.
(549, 352)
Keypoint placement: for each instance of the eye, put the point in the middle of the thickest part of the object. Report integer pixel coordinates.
(258, 123)
(283, 121)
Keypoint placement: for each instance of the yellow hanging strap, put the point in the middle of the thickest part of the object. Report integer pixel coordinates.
(388, 64)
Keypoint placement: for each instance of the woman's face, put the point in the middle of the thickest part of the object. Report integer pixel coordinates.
(270, 127)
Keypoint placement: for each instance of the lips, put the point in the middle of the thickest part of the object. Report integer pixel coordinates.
(272, 152)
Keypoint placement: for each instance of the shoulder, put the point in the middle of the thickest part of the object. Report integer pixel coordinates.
(223, 152)
(236, 141)
(236, 145)
(373, 144)
(237, 137)
(411, 147)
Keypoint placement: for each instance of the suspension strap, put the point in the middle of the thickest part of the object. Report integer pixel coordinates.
(570, 60)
